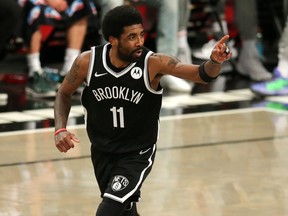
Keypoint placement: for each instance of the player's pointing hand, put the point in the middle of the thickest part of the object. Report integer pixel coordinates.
(221, 51)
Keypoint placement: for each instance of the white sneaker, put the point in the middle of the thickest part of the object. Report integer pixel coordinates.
(205, 51)
(253, 68)
(249, 64)
(176, 84)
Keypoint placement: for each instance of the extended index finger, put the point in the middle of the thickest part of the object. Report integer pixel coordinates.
(223, 39)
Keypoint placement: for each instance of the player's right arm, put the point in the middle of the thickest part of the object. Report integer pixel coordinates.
(160, 64)
(64, 140)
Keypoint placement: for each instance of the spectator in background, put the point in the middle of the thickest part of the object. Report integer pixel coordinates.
(171, 35)
(219, 27)
(279, 84)
(71, 14)
(184, 52)
(105, 6)
(9, 16)
(249, 61)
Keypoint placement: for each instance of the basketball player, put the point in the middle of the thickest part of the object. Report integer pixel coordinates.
(122, 101)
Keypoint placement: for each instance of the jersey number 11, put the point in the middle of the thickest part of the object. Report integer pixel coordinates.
(118, 117)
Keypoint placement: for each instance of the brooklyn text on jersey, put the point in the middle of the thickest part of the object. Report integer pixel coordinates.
(117, 92)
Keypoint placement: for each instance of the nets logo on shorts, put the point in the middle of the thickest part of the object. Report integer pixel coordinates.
(119, 183)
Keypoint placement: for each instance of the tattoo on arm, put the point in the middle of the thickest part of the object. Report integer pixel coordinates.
(72, 75)
(167, 62)
(158, 56)
(173, 61)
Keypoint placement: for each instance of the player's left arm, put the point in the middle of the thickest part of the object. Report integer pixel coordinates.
(64, 140)
(209, 70)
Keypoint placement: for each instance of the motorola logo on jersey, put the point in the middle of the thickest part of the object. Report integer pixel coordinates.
(136, 72)
(119, 183)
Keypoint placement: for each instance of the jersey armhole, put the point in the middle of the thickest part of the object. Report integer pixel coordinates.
(147, 78)
(90, 68)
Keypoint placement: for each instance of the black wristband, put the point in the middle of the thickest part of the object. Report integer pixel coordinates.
(203, 75)
(214, 62)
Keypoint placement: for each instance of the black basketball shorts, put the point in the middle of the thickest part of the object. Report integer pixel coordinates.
(120, 176)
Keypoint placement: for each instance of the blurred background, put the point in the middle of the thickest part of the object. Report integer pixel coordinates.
(206, 23)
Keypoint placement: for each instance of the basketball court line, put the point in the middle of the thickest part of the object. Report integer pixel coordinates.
(168, 103)
(279, 99)
(162, 118)
(44, 161)
(188, 146)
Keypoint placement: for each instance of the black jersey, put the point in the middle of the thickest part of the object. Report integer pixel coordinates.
(121, 108)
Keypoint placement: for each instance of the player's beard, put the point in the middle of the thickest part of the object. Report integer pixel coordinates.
(128, 57)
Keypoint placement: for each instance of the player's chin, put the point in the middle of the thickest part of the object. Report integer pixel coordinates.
(134, 58)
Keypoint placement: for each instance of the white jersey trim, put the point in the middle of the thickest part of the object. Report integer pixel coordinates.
(109, 70)
(124, 198)
(146, 76)
(91, 64)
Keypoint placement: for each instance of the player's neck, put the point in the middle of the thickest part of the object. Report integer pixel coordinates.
(116, 61)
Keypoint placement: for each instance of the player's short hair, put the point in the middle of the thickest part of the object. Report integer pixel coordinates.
(119, 17)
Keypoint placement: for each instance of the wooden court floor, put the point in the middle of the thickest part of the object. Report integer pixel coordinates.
(226, 163)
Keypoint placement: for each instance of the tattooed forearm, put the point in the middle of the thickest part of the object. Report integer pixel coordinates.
(72, 75)
(173, 61)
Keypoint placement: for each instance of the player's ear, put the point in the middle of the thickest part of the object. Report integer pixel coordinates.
(113, 41)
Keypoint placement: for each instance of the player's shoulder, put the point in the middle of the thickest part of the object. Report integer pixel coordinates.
(161, 59)
(84, 57)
